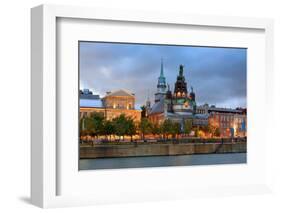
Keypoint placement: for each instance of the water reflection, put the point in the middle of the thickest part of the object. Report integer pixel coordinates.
(159, 161)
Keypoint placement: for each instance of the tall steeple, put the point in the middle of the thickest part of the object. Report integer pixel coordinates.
(192, 94)
(162, 69)
(180, 85)
(161, 85)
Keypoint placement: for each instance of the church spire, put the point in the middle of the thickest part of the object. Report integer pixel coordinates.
(181, 70)
(162, 69)
(161, 85)
(161, 80)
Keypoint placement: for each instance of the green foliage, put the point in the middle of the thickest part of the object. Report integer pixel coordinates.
(196, 132)
(108, 128)
(96, 125)
(120, 125)
(155, 129)
(187, 127)
(130, 127)
(217, 132)
(145, 126)
(123, 125)
(175, 129)
(166, 126)
(170, 128)
(93, 124)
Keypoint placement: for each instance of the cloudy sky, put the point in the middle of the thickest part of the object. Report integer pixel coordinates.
(218, 75)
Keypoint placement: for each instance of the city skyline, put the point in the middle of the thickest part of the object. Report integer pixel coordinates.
(218, 75)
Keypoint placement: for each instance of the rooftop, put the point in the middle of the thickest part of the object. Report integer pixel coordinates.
(226, 110)
(121, 92)
(91, 103)
(87, 94)
(158, 107)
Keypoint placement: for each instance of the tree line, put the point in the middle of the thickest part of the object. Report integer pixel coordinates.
(96, 125)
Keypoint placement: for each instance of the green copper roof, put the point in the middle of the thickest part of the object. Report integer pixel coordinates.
(162, 79)
(162, 70)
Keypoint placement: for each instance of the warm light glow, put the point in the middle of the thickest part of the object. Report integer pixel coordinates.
(235, 128)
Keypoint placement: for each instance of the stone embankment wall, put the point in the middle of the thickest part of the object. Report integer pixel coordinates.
(132, 150)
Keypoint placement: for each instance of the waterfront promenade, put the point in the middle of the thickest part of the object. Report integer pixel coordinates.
(165, 148)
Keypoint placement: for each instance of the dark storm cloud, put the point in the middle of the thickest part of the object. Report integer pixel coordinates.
(218, 75)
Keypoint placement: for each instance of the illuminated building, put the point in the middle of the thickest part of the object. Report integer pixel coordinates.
(112, 105)
(178, 106)
(231, 122)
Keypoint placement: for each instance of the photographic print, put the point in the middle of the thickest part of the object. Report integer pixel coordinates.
(155, 105)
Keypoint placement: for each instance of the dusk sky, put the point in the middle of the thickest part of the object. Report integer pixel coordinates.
(218, 75)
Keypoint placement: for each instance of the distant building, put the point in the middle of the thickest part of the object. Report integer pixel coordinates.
(88, 99)
(112, 105)
(231, 122)
(88, 94)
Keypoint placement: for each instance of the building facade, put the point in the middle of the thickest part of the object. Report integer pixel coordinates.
(111, 106)
(179, 105)
(231, 122)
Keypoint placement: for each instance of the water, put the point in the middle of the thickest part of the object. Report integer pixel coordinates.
(158, 161)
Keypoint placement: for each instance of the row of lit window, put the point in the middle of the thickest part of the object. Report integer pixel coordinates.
(118, 106)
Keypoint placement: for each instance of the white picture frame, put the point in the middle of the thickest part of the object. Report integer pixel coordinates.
(45, 170)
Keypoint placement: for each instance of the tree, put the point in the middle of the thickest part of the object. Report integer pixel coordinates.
(93, 124)
(166, 127)
(217, 132)
(175, 129)
(83, 131)
(120, 125)
(196, 132)
(108, 129)
(130, 128)
(155, 129)
(187, 127)
(144, 127)
(210, 129)
(97, 122)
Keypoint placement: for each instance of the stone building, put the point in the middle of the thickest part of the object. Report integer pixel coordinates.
(112, 105)
(179, 105)
(231, 122)
(120, 99)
